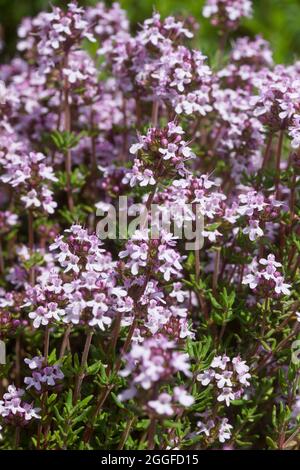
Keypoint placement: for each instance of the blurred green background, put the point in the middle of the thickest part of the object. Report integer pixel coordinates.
(277, 20)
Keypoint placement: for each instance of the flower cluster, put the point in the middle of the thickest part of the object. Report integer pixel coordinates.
(254, 52)
(160, 154)
(277, 102)
(30, 174)
(227, 13)
(230, 377)
(43, 375)
(55, 33)
(14, 410)
(265, 275)
(153, 362)
(7, 220)
(210, 428)
(86, 289)
(156, 65)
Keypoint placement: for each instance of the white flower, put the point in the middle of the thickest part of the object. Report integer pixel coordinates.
(162, 405)
(136, 147)
(73, 75)
(240, 366)
(270, 261)
(220, 362)
(99, 307)
(34, 363)
(147, 178)
(40, 316)
(252, 280)
(225, 430)
(34, 381)
(72, 263)
(224, 379)
(205, 427)
(243, 379)
(281, 287)
(98, 304)
(31, 412)
(226, 395)
(183, 397)
(206, 377)
(31, 199)
(169, 152)
(253, 230)
(211, 235)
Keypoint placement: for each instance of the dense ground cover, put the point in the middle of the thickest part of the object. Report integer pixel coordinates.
(143, 335)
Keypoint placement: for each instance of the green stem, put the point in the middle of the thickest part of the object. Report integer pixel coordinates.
(84, 359)
(126, 433)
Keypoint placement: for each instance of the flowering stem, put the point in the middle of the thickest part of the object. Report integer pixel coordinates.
(89, 428)
(43, 413)
(2, 267)
(151, 433)
(65, 341)
(18, 360)
(217, 139)
(295, 268)
(222, 45)
(267, 151)
(126, 432)
(93, 148)
(223, 328)
(292, 199)
(17, 437)
(124, 150)
(154, 118)
(47, 342)
(138, 111)
(116, 332)
(126, 345)
(278, 159)
(31, 245)
(106, 392)
(84, 358)
(67, 124)
(216, 270)
(148, 206)
(45, 393)
(266, 309)
(281, 345)
(291, 438)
